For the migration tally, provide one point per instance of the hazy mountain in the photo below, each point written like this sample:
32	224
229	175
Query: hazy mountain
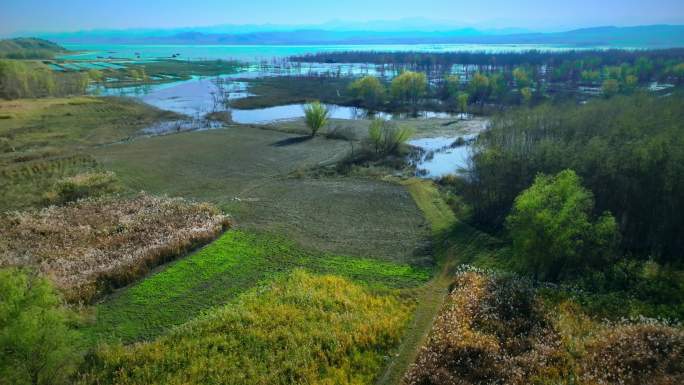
410	31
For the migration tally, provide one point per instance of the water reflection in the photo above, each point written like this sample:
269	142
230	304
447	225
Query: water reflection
441	156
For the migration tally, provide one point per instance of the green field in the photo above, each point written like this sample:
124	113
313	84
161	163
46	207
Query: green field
214	275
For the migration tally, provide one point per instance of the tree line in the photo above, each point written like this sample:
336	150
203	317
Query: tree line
628	151
20	79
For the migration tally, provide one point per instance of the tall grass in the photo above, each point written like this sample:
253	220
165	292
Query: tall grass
94	245
300	329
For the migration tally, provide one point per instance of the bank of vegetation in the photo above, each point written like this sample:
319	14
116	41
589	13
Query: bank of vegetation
29	48
93	246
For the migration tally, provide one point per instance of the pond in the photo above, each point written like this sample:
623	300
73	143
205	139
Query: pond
441	156
296	111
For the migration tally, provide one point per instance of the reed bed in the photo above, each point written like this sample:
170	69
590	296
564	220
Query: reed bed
92	246
494	329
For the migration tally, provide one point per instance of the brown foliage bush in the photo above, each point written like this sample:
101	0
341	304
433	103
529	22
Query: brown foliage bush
95	245
490	330
635	354
84	185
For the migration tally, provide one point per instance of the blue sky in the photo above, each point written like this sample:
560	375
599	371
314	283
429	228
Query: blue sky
72	15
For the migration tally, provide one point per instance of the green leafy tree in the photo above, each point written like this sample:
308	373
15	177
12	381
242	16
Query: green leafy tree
479	88
14	79
36	344
610	88
409	87
498	87
316	116
552	228
369	90
452	85
463	102
526	95
522	77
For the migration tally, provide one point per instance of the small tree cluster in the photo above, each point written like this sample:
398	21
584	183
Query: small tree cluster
553	231
369	90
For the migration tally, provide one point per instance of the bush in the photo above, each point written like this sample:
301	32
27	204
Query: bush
490	330
316	116
37	346
300	329
553	232
387	138
90	184
635	354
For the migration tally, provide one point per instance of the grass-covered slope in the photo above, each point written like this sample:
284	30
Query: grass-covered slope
216	274
44	140
29	48
300	329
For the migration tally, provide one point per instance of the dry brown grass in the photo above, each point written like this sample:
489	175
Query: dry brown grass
490	330
493	330
635	354
94	245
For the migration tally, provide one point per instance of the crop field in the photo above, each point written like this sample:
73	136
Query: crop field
216	274
299	328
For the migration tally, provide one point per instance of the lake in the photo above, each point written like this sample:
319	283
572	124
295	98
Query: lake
251	53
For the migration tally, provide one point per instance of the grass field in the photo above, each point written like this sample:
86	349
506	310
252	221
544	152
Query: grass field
248	171
280	90
216	274
298	329
43	140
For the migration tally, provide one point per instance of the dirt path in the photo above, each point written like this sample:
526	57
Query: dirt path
441	219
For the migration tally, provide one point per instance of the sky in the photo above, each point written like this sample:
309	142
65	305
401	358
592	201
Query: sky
19	16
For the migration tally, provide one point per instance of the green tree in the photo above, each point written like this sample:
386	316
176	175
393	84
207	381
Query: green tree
552	228
36	344
409	87
522	77
463	102
316	116
526	94
479	87
610	87
452	84
369	90
14	79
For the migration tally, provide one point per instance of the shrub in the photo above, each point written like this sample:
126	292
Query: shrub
90	184
94	245
369	90
635	354
316	116
552	229
490	330
300	329
36	344
386	137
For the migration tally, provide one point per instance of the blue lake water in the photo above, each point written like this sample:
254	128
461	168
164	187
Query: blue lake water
251	53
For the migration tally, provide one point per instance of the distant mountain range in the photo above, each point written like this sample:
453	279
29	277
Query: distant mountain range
653	36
